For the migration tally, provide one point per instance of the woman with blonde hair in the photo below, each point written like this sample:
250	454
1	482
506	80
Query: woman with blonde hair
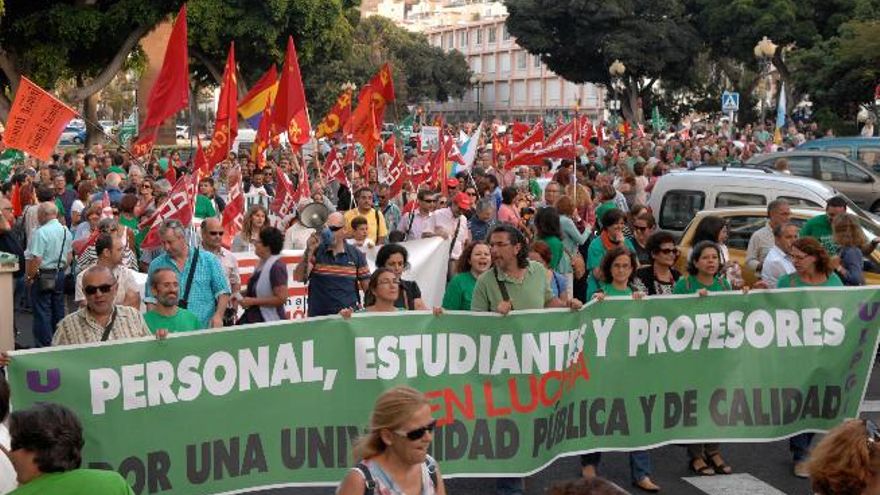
847	460
392	459
254	221
848	235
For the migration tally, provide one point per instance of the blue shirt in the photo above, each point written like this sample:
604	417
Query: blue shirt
113	193
47	245
209	281
333	280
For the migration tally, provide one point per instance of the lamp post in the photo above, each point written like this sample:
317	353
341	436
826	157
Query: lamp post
616	71
477	83
764	52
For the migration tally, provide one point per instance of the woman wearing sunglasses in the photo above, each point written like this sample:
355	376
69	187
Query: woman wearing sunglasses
660	276
847	460
393	456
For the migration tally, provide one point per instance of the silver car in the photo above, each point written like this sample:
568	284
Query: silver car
858	182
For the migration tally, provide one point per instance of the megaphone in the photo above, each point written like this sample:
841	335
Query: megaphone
314	216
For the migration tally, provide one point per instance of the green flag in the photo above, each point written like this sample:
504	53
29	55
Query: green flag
657	122
405	128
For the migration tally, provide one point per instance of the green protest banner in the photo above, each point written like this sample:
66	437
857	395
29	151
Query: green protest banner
279	405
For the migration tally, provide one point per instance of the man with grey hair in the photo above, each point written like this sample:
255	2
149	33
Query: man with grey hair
111	187
212	237
762	241
100	319
204	288
48	256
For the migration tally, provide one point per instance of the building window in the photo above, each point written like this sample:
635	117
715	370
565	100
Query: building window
505	63
505	34
492	34
462	38
520	60
479	33
490	64
537	61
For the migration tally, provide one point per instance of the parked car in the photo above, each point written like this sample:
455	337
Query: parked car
865	150
742	222
860	183
73	135
108	126
182	132
678	196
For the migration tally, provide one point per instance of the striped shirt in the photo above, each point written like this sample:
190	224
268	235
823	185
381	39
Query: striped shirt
334	278
81	327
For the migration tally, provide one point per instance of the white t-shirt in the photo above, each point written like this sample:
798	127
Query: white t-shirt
124	282
7	472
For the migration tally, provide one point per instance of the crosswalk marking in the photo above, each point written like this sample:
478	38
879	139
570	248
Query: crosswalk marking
732	484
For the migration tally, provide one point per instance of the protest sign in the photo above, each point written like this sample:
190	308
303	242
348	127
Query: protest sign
429	138
36	120
280	404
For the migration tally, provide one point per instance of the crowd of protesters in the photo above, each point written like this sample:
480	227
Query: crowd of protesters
556	234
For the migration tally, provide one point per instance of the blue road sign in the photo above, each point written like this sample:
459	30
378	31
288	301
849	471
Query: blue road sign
729	102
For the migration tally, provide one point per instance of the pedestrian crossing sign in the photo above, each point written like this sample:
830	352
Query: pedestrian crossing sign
729	102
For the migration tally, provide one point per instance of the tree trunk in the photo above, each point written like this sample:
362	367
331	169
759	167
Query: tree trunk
90	112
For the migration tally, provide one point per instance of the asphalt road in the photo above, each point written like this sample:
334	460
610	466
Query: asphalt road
759	469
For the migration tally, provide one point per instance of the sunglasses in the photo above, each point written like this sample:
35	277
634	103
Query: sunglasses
669	251
334	228
420	432
91	290
215	232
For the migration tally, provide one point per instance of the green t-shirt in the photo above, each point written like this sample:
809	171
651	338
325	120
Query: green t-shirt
119	170
610	290
794	280
460	292
689	284
183	321
532	292
204	207
77	482
535	189
556	250
819	227
595	252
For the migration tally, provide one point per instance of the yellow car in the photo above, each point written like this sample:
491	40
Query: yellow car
742	222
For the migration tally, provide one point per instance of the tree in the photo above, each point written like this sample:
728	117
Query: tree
421	71
840	73
84	40
579	39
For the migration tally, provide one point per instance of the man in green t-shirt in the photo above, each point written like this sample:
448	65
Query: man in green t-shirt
819	227
166	314
46	441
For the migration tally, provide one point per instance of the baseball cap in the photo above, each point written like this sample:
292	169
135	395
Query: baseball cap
462	200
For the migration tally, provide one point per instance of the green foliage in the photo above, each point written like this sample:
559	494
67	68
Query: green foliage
579	39
841	72
50	41
421	72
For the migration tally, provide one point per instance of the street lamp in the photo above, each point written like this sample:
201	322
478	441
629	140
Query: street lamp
764	51
477	83
616	71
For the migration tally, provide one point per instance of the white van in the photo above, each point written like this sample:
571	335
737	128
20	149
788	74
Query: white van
679	195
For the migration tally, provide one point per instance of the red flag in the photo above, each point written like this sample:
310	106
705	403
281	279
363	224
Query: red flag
302	189
179	206
586	131
233	215
338	119
561	144
395	171
367	117
600	134
534	140
519	131
285	198
333	167
453	154
35	121
170	91
201	161
171	173
15	199
290	112
263	136
226	122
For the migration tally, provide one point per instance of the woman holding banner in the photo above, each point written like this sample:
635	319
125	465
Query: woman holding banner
396	258
474	261
393	457
704	265
618	268
812	266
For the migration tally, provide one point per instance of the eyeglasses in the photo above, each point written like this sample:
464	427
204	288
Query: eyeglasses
215	232
429	200
418	432
91	290
334	228
674	251
146	186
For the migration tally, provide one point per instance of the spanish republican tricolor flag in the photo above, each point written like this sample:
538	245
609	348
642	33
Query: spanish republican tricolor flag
338	119
253	103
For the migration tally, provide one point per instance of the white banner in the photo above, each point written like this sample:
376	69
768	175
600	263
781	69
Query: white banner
428	259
